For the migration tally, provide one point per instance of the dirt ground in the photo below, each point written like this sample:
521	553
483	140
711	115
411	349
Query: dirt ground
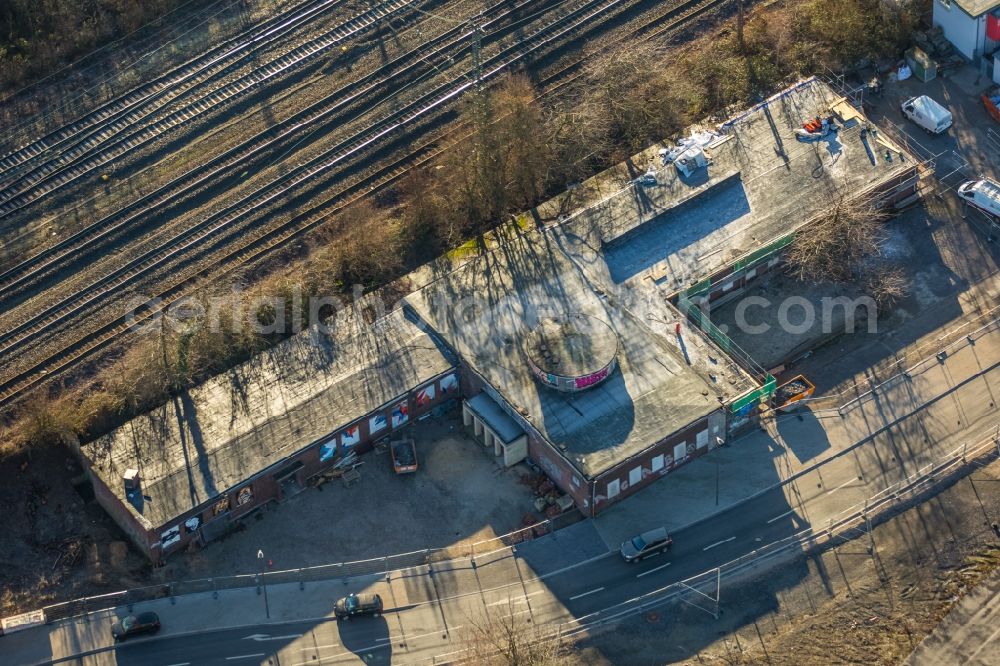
59	546
56	545
458	494
844	606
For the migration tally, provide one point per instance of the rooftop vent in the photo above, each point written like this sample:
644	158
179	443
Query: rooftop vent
131	479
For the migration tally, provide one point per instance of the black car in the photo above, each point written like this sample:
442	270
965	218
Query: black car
354	605
133	625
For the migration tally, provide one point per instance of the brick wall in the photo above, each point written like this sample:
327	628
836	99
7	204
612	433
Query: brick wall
143	536
644	461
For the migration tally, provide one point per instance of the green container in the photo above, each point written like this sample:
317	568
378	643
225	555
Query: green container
923	66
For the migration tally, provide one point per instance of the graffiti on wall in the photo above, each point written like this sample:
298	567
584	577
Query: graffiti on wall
350	436
425	395
400	414
449	383
590	380
376	424
171	536
221	506
553	470
328	449
245	496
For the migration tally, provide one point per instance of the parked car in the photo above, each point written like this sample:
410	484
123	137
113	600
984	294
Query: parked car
927	113
354	605
646	545
133	625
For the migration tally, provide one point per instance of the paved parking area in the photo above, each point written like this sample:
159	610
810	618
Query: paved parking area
458	494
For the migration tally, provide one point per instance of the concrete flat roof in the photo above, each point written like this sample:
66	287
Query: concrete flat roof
212	438
486	307
490	412
761	184
976	8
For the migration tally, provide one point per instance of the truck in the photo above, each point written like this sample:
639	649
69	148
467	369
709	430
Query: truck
927	113
404	455
984	194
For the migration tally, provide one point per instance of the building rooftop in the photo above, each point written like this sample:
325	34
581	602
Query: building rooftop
503	426
663	382
977	8
625	249
761	184
572	345
212	438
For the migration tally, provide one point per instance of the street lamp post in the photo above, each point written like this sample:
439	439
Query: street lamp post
260	562
716	480
718	442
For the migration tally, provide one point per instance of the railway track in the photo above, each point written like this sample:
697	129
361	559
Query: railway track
94	153
403	68
163	89
252	247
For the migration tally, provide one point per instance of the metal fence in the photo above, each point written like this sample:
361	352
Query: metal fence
852	523
904	367
704	590
371	566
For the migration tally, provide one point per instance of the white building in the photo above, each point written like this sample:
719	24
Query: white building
969	26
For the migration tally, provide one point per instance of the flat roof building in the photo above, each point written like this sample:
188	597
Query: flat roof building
256	433
573	341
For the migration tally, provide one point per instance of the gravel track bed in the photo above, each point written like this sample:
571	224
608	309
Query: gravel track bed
155	164
78	89
269	218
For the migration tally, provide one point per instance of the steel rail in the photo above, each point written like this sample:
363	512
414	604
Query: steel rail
81	161
254	248
325	110
191	72
317	166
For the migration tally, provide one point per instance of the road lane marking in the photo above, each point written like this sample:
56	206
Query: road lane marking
846	483
183	663
245	656
267	637
645	573
719	543
515	600
320	647
781	516
580	596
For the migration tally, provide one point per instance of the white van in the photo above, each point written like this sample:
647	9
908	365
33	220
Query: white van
927	113
983	194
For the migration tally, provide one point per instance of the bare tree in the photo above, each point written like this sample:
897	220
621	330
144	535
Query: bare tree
505	637
834	247
886	284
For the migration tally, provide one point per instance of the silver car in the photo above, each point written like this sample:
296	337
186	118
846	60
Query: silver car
646	544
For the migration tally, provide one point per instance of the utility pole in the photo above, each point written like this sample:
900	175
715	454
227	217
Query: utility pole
739	27
716	480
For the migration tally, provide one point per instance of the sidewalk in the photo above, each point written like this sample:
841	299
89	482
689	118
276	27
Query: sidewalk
192	613
940	399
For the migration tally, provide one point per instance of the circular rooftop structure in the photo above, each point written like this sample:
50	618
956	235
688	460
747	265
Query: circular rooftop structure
572	352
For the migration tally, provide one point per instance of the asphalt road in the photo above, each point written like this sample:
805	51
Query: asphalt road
425	629
431	610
